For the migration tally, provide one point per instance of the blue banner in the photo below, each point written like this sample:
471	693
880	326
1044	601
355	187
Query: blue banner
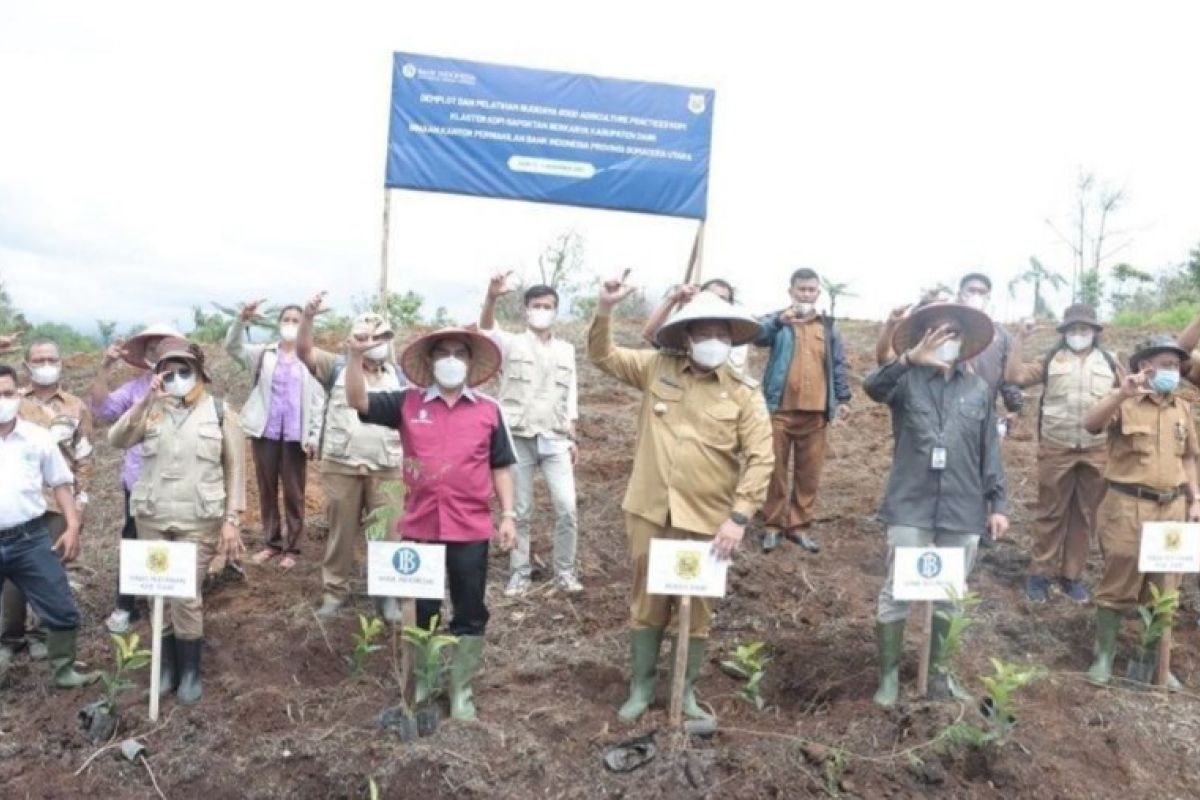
554	137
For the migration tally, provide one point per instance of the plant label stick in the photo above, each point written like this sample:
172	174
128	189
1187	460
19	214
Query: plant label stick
408	675
925	611
156	626
1163	671
679	668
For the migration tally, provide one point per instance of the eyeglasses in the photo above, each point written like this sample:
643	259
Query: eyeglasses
182	373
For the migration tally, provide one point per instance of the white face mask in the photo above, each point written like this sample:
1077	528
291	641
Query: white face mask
289	332
46	375
540	318
976	301
378	353
710	353
804	309
8	409
181	387
1080	341
450	372
948	351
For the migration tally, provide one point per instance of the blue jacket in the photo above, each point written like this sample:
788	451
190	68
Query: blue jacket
782	341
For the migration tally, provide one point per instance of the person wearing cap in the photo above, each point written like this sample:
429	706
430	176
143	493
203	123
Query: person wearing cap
701	468
1151	475
458	453
946	485
678	297
807	385
190	488
282	418
356	459
539	393
107	406
47	404
30	460
1074	375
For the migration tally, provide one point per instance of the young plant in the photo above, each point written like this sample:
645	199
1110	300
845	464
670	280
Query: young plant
427	645
749	663
1158	615
126	657
999	707
957	619
369	630
382	520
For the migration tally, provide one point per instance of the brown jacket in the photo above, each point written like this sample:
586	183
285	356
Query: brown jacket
1149	439
70	422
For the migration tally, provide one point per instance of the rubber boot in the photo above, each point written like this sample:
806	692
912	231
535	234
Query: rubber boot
889	645
695	659
167	670
61	648
463	668
942	683
187	661
1108	624
644	644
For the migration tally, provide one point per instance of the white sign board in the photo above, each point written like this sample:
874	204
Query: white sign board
162	568
406	569
1170	547
928	573
685	568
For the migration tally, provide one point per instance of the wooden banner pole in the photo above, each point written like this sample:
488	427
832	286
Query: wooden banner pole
695	265
383	254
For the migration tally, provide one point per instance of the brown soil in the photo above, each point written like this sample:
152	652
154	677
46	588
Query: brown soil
281	718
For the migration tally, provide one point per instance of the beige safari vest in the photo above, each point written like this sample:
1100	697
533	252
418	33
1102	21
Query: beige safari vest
536	385
351	443
182	482
1074	385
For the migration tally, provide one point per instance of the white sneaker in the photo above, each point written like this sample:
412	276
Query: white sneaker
518	584
568	583
118	622
389	609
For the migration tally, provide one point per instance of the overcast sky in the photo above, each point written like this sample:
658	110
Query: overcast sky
152	158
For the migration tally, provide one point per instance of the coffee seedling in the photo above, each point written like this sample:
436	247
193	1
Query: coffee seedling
427	645
749	663
369	630
382	520
126	657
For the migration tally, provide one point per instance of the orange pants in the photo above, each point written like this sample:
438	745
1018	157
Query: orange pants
1070	488
798	436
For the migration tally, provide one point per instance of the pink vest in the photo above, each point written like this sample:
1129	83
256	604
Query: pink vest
447	467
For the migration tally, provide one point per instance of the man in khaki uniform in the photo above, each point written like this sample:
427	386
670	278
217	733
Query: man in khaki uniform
191	488
356	458
1074	376
46	404
702	465
1151	474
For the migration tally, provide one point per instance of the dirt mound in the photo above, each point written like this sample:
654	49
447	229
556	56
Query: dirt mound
281	716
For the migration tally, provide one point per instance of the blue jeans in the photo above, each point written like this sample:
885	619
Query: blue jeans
27	560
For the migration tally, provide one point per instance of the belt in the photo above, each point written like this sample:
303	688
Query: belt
32	526
1146	493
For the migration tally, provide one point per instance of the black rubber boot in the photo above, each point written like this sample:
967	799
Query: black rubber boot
167	670
187	654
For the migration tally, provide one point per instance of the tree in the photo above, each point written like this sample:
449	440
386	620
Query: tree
835	290
1036	276
107	329
11	320
209	328
403	311
1090	239
1193	266
1123	275
561	260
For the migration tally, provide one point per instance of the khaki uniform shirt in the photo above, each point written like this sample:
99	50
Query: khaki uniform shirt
1072	384
1149	439
70	423
704	439
806	389
348	445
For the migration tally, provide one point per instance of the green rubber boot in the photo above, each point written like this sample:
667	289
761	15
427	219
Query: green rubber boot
889	645
644	644
942	682
60	645
1108	624
695	659
463	668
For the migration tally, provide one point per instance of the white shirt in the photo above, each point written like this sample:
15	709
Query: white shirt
29	459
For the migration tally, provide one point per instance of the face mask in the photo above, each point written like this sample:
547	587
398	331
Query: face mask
46	375
450	372
288	333
8	409
710	353
1080	341
976	301
540	318
1165	380
804	309
377	353
948	351
181	387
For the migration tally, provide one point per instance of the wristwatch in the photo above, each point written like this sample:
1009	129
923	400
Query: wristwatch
233	519
508	514
739	518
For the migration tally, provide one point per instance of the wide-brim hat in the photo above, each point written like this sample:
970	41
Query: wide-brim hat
707	307
1155	345
1079	314
977	328
134	350
371	324
417	364
179	349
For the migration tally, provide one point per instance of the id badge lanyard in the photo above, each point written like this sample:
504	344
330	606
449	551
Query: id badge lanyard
937	456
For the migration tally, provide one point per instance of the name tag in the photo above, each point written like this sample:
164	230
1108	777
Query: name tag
937	458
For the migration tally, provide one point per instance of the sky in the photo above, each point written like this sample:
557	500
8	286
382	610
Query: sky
155	156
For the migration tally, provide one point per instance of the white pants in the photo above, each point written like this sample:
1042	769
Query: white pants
892	610
560	480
